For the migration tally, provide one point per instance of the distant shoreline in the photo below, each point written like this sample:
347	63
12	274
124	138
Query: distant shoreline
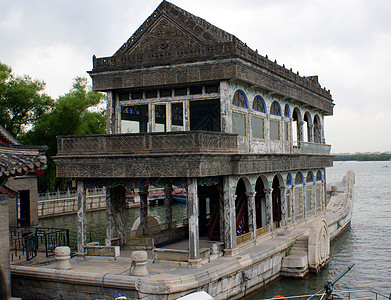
363	157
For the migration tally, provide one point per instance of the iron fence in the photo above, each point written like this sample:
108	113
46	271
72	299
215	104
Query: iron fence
27	241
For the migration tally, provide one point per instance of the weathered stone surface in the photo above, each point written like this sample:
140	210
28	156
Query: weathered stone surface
139	258
62	257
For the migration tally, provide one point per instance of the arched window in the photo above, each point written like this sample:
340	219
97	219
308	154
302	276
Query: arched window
286	111
318	175
240	99
259	104
288	179
275	109
298	178
310	177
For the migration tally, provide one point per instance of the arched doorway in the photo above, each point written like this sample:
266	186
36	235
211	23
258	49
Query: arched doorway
297	128
260	204
308	127
276	202
317	130
209	211
241	208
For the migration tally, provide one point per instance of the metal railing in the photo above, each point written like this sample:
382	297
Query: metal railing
23	244
26	241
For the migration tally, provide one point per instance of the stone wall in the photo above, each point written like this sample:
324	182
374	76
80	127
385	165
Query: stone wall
28	182
48	208
4	235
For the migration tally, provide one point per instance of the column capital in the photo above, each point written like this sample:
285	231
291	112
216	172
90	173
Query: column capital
267	191
250	194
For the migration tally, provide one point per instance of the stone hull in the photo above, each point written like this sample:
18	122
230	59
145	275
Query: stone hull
228	277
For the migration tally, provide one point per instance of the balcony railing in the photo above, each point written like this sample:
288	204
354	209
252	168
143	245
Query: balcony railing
146	143
311	148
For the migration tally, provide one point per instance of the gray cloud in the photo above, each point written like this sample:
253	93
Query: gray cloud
346	42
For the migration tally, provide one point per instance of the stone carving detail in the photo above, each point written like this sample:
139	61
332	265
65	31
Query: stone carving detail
144	210
164	36
158	41
318	245
116	214
168	206
81	217
269	211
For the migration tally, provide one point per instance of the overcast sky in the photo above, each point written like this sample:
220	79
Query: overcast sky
347	43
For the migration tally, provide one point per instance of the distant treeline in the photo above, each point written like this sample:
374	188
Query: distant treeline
363	157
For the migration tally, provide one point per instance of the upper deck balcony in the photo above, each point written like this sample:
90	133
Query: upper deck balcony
148	143
311	148
170	154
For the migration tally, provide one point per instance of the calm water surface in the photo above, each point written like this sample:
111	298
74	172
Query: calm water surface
367	243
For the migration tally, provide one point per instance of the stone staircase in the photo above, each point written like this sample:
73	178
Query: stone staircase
295	264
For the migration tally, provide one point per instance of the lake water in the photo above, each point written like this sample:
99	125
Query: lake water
367	243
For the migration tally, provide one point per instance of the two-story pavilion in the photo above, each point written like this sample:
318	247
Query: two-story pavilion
190	105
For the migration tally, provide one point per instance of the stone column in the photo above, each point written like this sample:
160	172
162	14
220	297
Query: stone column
110	223
229	215
284	207
192	211
221	213
323	195
300	131
310	133
252	222
116	214
304	201
293	203
168	206
144	210
81	217
269	208
110	113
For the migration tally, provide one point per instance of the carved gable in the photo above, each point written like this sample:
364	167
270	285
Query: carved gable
165	35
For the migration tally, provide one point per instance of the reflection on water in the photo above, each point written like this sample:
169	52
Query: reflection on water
96	221
367	243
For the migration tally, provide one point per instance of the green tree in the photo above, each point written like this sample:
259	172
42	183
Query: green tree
22	101
74	113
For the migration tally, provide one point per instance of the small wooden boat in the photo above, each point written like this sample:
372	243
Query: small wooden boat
179	195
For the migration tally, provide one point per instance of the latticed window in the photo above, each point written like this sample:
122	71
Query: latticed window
275	109
298	178
240	99
239	122
131	110
309	177
258	127
160	118
134	118
259	104
286	111
288	179
177	116
274	130
318	175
